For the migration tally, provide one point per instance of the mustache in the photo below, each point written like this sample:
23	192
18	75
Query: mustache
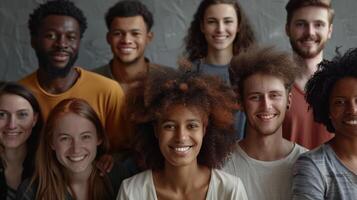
310	37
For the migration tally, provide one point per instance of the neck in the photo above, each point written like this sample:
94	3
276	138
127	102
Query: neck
182	179
216	57
266	147
14	157
59	84
309	67
126	73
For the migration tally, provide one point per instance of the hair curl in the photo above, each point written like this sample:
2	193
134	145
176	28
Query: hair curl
209	95
195	41
318	88
265	60
56	7
129	8
294	5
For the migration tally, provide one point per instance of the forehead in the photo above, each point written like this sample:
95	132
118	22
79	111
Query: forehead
13	102
345	87
73	124
59	23
263	83
128	23
220	11
311	13
182	113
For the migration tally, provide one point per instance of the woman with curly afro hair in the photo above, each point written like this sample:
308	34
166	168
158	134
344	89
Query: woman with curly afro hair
184	131
330	171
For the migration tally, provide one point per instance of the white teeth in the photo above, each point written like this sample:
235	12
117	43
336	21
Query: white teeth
266	116
351	122
219	37
126	50
12	133
76	158
182	149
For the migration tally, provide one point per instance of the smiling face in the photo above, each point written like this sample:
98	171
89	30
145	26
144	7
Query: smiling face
265	101
128	37
57	44
17	119
343	107
75	142
309	31
180	133
220	27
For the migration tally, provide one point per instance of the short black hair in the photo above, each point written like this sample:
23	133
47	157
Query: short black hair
318	88
129	8
56	7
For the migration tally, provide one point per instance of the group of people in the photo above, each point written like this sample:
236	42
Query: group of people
233	121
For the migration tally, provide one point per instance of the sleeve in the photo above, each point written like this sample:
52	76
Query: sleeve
308	183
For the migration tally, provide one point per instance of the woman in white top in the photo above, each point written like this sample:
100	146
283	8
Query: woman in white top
184	130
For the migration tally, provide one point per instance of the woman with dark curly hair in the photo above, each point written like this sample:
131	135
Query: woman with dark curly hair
330	171
184	130
20	125
218	31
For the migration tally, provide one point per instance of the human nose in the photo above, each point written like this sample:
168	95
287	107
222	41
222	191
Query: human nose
181	133
62	42
220	27
266	102
75	146
126	38
11	123
310	30
352	107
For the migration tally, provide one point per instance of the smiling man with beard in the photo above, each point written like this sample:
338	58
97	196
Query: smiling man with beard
56	29
309	26
264	159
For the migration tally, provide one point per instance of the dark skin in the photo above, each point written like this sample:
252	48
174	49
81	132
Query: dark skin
58	40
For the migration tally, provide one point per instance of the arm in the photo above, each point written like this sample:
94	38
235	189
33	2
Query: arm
308	182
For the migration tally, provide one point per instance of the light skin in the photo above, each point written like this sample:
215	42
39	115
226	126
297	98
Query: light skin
265	101
220	27
57	46
17	119
308	32
343	115
180	132
128	38
75	142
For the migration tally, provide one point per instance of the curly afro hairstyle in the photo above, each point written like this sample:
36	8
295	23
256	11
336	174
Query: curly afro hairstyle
318	88
265	60
56	7
209	95
129	8
195	41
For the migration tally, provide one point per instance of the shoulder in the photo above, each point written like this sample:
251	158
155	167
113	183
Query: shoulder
96	80
231	187
228	181
103	70
136	186
29	80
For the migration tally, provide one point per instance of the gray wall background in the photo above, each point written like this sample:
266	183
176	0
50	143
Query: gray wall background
172	18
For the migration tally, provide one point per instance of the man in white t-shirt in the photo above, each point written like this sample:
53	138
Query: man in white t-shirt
264	159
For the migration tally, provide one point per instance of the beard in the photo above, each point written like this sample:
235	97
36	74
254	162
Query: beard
44	60
307	53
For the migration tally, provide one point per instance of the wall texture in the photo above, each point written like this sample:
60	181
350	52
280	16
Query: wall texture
172	18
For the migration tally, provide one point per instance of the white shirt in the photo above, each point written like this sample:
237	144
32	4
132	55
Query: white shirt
264	179
221	186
